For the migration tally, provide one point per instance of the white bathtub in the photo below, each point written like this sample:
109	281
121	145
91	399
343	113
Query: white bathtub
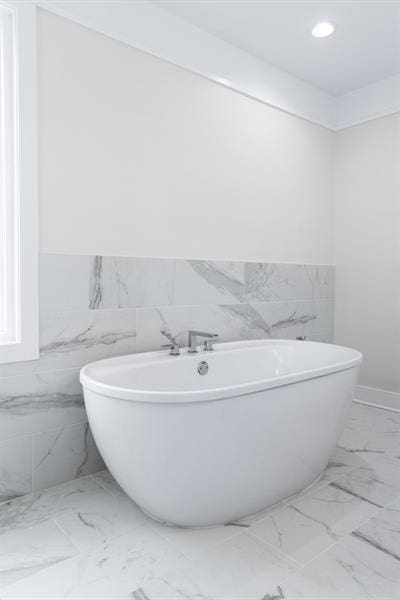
197	450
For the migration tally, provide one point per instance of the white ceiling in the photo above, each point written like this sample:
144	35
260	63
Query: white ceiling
365	47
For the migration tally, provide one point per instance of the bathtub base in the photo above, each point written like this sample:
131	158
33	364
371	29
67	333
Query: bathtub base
252	516
212	463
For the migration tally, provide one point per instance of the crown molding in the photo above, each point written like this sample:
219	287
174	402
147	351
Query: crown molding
370	102
154	30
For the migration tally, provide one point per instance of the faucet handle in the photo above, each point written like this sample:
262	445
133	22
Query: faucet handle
174	347
209	343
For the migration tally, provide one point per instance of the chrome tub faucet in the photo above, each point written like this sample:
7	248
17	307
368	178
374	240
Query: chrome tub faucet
208	344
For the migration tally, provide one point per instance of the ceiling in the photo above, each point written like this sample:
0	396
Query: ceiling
365	47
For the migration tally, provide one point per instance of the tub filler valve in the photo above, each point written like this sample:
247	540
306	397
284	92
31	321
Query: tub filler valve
193	335
175	349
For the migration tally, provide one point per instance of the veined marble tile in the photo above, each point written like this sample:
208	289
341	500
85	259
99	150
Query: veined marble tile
122	282
286	320
196	543
279	282
296	534
110	571
63	455
72	339
232	322
15	468
350	570
341	463
311	524
39	402
383	420
173	586
23	553
107	481
340	511
155	281
209	282
235	562
86	512
371	430
156	327
64	282
383	531
376	480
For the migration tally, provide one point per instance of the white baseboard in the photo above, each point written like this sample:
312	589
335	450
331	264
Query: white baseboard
377	397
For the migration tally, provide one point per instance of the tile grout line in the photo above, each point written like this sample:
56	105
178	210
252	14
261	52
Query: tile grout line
33	493
32	466
62	530
92	476
237	302
341	538
51	430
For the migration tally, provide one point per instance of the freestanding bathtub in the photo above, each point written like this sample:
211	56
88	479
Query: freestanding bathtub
198	450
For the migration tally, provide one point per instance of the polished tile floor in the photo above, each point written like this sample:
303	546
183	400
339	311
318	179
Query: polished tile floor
339	540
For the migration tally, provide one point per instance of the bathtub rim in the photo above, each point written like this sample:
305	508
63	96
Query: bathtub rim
211	394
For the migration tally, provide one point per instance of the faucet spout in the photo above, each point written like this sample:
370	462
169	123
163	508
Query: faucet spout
193	335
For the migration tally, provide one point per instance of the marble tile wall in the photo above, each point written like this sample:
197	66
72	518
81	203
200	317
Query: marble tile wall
93	307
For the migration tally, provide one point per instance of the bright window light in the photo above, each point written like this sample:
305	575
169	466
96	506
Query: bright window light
9	193
19	317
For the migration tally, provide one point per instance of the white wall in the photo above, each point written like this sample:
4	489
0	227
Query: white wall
367	247
140	157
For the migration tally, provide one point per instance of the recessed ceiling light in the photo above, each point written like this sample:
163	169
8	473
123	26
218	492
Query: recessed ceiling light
322	30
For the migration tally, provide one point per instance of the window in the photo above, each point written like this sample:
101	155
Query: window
18	184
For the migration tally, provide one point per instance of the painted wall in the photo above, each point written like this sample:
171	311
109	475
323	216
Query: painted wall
367	234
139	157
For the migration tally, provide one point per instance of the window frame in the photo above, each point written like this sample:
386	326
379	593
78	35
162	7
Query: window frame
25	266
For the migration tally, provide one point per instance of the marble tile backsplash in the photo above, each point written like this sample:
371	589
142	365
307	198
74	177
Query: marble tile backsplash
93	307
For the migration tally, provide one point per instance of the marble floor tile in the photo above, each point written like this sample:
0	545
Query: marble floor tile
312	524
23	553
383	531
350	570
196	543
230	565
371	430
340	463
339	510
174	586
83	509
114	570
295	533
376	480
107	481
256	518
381	419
